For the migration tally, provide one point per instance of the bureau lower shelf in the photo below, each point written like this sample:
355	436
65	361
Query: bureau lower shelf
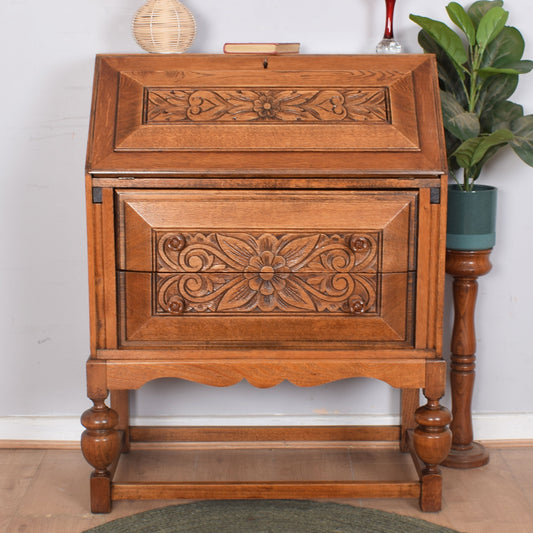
214	464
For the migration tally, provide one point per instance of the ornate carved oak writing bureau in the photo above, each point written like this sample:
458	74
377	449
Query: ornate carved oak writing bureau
265	219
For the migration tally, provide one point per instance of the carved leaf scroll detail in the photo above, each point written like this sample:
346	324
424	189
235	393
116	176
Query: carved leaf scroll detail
366	104
344	293
246	272
254	252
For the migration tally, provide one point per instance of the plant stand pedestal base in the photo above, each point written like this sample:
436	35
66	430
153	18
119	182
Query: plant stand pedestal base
474	456
465	267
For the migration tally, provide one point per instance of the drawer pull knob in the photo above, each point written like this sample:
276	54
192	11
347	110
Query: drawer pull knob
357	306
176	306
176	243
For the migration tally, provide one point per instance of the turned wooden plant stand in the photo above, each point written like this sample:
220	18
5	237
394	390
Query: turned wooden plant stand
465	267
266	219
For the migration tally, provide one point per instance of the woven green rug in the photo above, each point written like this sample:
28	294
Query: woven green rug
267	516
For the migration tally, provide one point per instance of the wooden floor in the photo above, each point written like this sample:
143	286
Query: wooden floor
46	491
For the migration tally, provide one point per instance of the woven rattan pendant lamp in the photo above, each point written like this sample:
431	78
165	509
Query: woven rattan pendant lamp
164	27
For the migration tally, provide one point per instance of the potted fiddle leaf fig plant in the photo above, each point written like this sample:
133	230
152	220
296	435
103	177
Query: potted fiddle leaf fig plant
478	66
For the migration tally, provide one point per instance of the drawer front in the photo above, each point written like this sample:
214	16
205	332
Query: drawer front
265	291
217	267
193	231
171	319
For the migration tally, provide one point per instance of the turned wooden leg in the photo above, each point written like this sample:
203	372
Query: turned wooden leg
100	444
465	267
432	441
432	437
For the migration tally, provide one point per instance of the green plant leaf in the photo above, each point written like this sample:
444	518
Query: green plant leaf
488	154
473	150
464	155
452	143
507	47
461	19
492	71
448	74
496	89
445	37
429	45
504	113
522	142
519	67
457	121
500	87
478	9
522	67
491	25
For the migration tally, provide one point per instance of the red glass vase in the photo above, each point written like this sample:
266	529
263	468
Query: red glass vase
389	45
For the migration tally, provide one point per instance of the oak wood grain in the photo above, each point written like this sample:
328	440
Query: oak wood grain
266	224
358	146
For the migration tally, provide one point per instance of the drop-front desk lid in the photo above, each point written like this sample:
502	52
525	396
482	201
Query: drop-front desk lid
252	115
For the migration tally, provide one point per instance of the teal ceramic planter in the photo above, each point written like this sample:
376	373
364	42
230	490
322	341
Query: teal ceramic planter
471	218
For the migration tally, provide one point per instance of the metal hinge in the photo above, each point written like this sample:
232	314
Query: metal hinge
434	195
97	195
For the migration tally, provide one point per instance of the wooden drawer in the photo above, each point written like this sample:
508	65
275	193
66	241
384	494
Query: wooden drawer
198	268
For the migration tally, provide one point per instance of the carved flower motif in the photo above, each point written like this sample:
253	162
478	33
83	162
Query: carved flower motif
267	264
266	106
266	273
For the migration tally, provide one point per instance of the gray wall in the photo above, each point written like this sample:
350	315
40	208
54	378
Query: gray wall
47	61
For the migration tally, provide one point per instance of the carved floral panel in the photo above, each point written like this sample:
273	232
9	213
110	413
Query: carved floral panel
268	272
275	252
265	292
369	105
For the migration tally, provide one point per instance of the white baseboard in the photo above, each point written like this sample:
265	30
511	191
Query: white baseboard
496	426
